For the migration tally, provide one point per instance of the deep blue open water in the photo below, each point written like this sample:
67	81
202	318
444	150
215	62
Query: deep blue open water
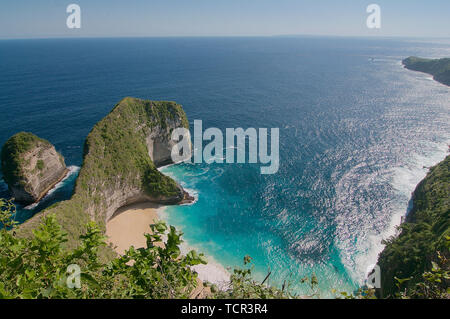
356	131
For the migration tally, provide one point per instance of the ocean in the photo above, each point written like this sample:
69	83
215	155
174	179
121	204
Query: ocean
357	133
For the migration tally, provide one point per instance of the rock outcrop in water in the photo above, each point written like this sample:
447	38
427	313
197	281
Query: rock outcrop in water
424	233
121	156
31	167
438	68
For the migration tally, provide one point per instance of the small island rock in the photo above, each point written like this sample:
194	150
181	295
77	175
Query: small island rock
31	166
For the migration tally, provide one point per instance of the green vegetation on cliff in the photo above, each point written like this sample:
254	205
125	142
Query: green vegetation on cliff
40	165
12	154
439	68
116	163
425	233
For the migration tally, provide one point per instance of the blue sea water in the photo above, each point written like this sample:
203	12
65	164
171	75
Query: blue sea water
357	132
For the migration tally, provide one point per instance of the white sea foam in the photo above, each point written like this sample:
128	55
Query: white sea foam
193	193
32	206
161	168
72	170
363	224
425	77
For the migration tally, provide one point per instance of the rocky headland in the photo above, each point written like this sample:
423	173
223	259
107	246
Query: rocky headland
121	156
438	68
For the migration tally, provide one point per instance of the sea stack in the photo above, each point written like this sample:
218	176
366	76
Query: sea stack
31	166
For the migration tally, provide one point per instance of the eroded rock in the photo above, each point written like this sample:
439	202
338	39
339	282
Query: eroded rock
31	166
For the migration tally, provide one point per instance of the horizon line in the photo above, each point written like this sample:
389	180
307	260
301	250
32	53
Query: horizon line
65	37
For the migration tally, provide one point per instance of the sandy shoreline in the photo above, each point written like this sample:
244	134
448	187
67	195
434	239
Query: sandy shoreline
129	224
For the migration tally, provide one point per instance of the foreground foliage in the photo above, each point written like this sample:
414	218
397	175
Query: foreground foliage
37	267
42	267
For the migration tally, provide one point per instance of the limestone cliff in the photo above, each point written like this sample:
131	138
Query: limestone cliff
121	155
31	167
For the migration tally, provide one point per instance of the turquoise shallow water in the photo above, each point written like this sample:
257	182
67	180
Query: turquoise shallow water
224	224
356	130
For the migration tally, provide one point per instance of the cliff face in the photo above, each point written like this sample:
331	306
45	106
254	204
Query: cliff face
423	234
121	156
31	167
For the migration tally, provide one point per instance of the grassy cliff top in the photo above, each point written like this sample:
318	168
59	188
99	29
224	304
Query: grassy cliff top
12	154
424	233
115	161
439	68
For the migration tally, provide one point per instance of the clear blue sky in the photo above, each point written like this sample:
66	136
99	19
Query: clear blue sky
110	18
